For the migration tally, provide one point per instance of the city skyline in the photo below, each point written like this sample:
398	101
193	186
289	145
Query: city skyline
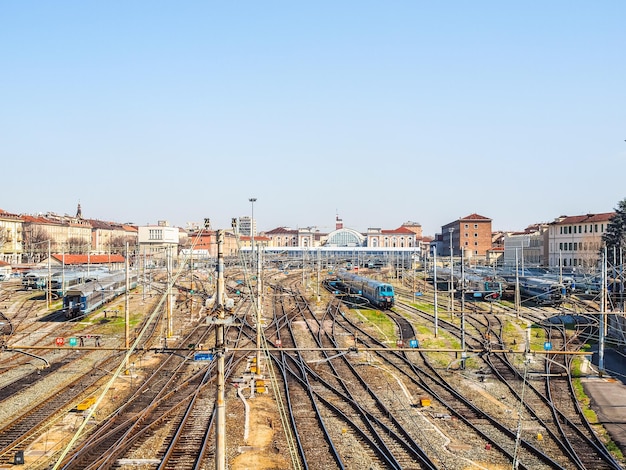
377	113
260	230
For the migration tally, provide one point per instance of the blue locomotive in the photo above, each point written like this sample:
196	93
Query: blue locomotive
379	294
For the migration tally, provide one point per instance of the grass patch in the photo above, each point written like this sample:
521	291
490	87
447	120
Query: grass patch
513	332
424	307
378	321
537	336
577	362
442	341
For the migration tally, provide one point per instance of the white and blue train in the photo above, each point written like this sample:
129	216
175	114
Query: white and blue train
542	291
379	294
92	294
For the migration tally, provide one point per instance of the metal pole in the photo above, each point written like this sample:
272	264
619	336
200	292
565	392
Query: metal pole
127	304
220	433
49	286
143	275
318	274
259	307
602	315
191	277
62	269
413	272
517	292
463	355
451	231
252	201
435	294
170	322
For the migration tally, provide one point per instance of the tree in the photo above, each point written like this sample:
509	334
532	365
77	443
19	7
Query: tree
35	245
4	236
77	245
615	235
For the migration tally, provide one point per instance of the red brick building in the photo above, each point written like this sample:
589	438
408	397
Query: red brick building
470	234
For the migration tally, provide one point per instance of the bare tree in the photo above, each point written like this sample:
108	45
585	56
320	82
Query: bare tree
35	246
77	245
4	236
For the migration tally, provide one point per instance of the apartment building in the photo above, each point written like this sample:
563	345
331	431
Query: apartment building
470	235
576	241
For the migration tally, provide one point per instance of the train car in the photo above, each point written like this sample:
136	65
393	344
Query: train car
379	294
480	287
92	294
64	280
35	280
542	291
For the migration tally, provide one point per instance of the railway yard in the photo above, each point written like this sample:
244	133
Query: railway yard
460	384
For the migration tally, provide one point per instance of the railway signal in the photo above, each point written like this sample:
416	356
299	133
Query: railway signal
60	341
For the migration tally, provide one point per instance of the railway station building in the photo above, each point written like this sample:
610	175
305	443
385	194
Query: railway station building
400	246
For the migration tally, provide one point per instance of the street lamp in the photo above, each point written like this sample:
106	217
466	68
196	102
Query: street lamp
252	201
451	231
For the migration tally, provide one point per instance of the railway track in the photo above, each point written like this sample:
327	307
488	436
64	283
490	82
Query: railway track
570	432
351	400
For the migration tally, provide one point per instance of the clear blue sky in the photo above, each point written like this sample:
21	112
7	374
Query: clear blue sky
381	112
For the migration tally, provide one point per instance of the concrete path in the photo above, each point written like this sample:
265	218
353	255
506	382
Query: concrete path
607	393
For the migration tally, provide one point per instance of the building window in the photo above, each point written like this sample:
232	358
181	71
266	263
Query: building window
155	234
466	225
